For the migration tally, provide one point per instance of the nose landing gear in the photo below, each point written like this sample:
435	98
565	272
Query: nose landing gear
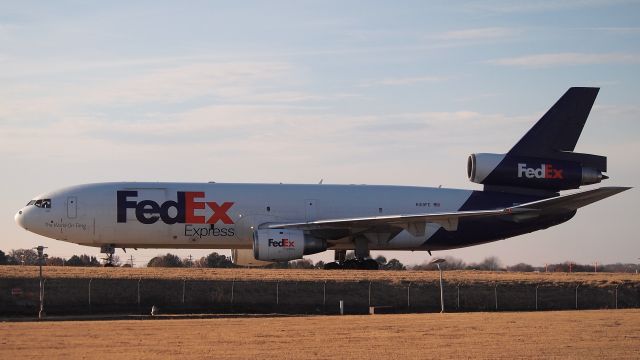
109	250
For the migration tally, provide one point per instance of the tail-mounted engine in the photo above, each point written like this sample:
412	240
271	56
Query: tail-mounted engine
543	160
530	172
285	244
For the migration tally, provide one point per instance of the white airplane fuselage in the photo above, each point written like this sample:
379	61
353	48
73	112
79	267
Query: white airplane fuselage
221	215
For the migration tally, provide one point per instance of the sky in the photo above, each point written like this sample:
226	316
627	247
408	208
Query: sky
351	92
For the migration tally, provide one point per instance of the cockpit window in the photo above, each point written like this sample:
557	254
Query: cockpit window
41	203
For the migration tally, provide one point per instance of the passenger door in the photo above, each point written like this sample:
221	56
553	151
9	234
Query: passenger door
310	209
72	207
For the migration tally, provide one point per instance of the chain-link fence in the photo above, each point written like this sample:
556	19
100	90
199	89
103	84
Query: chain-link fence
137	296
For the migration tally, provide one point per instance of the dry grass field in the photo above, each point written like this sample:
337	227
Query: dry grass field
613	334
461	277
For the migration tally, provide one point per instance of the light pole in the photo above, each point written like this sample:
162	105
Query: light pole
41	257
437	261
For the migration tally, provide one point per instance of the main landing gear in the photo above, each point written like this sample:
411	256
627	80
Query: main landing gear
108	250
359	263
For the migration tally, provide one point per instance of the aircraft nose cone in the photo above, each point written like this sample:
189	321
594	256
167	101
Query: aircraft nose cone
19	218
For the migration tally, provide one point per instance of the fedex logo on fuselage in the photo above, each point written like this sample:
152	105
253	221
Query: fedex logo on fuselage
149	211
286	243
545	171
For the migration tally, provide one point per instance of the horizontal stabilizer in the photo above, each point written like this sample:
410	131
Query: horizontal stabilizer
569	202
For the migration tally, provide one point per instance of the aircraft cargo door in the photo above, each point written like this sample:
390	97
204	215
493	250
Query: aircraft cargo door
72	207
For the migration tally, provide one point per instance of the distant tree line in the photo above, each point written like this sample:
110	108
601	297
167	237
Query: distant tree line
492	263
215	260
30	257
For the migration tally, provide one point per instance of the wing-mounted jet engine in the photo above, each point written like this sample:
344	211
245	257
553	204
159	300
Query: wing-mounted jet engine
285	244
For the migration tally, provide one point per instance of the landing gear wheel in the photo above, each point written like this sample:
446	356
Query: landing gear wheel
369	264
351	264
109	250
332	266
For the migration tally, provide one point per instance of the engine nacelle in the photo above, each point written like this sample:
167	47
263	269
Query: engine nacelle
244	257
284	244
528	172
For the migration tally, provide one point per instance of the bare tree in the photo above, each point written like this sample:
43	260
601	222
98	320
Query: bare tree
214	260
521	267
490	263
393	264
168	260
451	263
23	256
54	261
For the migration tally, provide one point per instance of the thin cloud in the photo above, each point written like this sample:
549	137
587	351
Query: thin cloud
567	59
488	33
618	30
211	82
502	6
409	80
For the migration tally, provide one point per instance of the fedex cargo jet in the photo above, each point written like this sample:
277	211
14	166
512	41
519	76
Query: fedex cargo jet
264	223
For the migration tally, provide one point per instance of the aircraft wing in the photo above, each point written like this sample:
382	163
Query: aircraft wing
415	223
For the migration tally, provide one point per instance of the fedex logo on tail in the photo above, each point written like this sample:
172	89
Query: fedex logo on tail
545	171
149	211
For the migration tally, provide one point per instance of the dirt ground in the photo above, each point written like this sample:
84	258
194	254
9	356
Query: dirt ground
457	276
613	334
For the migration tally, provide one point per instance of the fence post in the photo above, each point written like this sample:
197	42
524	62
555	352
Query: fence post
458	297
617	295
409	296
277	292
577	286
90	292
139	281
369	293
184	285
537	296
324	294
495	292
41	314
